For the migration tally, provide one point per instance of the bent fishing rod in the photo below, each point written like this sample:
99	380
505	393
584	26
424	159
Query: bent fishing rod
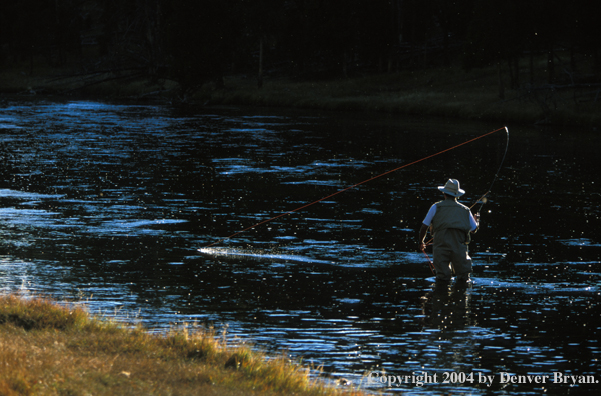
360	183
482	200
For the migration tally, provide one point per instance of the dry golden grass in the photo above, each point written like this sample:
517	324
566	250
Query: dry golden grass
49	349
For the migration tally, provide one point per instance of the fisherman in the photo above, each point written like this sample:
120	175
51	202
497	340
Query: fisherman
452	223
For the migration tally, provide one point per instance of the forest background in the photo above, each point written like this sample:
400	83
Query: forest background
527	61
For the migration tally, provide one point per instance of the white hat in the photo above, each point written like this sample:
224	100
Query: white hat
452	188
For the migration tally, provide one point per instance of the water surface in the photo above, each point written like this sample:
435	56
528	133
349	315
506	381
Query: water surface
109	203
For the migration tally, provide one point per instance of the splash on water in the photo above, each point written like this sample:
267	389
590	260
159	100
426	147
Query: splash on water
258	254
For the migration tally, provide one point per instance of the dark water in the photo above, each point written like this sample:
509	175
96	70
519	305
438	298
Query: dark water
108	204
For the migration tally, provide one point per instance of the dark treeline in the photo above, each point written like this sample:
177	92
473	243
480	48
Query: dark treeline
196	41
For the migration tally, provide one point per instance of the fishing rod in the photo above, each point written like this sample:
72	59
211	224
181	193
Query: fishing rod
356	185
482	200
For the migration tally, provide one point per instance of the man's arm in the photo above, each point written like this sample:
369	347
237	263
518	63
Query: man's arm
424	229
422	235
474	222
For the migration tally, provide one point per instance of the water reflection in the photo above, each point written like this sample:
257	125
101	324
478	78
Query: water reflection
109	204
447	307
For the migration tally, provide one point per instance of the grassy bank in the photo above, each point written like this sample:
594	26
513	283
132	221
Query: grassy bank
450	92
442	92
50	349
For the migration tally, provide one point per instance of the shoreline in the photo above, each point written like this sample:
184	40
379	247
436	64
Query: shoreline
55	348
443	92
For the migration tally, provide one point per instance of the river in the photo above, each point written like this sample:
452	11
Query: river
106	204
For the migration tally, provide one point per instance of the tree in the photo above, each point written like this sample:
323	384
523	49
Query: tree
262	21
132	34
200	37
32	30
496	35
378	31
548	27
584	31
454	19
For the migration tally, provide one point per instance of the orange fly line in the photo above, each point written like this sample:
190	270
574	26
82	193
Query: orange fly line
358	184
